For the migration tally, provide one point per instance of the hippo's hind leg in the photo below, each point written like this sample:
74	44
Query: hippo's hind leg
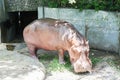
61	56
32	49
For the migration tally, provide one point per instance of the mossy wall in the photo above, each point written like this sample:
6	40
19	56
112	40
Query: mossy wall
22	5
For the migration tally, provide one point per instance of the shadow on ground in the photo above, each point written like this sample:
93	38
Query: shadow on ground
106	65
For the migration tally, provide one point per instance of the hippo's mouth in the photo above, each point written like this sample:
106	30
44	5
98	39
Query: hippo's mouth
80	69
83	71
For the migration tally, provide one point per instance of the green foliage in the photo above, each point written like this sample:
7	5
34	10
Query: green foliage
55	66
95	60
52	64
111	5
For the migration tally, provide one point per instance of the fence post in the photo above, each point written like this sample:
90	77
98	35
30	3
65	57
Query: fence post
43	8
118	15
86	31
43	11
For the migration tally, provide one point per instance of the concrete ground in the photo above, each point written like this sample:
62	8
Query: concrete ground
103	70
17	66
108	68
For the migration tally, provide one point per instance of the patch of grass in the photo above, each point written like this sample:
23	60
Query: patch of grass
46	56
55	66
114	63
117	64
51	62
95	60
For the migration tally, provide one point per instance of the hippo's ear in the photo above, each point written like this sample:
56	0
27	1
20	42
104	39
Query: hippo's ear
77	49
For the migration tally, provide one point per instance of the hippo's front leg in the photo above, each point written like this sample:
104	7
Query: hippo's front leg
61	56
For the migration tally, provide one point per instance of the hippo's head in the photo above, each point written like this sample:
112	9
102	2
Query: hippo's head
79	57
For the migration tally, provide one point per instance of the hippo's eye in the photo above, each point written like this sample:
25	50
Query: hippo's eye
72	60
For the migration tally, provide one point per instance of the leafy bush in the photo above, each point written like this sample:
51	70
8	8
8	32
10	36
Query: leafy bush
111	5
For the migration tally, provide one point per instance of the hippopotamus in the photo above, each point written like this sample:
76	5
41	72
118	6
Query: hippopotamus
60	35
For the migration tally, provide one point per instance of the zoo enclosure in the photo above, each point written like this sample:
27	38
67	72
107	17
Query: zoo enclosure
101	28
14	16
97	20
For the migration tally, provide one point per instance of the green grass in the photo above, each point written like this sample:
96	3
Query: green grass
55	66
95	60
51	62
114	63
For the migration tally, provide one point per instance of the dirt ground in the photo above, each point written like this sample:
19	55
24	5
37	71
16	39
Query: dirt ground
106	66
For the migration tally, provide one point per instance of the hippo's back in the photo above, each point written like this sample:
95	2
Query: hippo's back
45	33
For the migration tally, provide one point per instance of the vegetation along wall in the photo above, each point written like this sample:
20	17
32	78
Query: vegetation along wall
101	28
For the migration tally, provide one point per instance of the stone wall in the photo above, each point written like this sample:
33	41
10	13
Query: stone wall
2	11
3	18
101	28
22	5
